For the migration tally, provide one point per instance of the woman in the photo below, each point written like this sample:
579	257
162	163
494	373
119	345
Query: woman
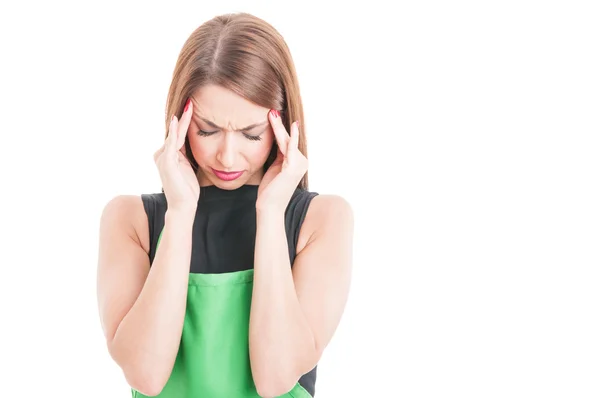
232	280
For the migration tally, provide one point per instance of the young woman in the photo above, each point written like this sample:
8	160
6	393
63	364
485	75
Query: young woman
231	281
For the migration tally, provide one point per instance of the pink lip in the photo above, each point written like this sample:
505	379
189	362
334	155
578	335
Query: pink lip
227	176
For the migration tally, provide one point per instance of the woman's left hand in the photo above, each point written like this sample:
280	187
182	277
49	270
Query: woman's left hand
283	176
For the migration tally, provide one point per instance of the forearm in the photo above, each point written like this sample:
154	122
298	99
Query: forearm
147	340
282	346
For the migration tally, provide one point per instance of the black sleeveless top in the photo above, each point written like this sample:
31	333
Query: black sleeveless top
224	233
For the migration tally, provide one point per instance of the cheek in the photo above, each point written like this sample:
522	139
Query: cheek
201	149
256	153
262	150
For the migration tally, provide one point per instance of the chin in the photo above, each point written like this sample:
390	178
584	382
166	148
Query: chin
230	185
245	178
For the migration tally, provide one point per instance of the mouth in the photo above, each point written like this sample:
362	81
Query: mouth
227	175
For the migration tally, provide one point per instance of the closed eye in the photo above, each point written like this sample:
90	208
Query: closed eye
252	137
248	136
206	133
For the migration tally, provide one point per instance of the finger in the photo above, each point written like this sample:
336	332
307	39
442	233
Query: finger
161	149
158	153
182	158
172	136
184	124
183	148
295	137
281	135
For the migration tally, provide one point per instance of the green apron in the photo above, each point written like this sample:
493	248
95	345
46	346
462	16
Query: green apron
213	360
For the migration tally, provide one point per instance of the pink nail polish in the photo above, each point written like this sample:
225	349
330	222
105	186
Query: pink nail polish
187	105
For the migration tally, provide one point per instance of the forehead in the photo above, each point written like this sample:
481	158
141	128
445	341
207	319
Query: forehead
223	106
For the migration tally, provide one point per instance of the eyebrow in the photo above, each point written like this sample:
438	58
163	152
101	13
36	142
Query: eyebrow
211	124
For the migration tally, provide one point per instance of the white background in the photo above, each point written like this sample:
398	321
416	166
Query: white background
464	134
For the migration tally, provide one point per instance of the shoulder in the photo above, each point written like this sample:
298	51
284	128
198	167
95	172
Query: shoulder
127	213
121	206
327	213
330	207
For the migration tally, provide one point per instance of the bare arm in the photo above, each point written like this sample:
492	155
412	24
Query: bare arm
295	311
142	308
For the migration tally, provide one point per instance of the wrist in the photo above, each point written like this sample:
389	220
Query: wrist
268	213
181	216
270	206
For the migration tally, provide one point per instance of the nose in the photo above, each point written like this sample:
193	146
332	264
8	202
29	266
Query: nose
226	152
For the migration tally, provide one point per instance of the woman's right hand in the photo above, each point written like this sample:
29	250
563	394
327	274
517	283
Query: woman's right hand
178	178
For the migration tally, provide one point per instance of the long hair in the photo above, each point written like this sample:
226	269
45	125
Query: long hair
248	56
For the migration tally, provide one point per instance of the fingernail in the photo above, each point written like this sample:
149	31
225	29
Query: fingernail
172	118
275	113
187	105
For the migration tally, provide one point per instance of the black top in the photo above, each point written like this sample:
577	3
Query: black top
224	232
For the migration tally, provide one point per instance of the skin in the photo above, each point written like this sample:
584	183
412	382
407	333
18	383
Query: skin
295	310
228	149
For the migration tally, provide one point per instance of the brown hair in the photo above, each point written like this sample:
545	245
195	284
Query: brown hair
246	55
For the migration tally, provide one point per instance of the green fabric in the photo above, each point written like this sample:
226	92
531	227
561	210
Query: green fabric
213	359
